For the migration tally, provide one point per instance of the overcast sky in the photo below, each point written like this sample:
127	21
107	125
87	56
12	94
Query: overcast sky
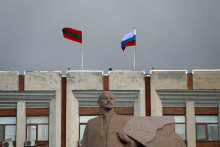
171	34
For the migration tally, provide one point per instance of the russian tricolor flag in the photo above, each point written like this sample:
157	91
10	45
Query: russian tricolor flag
129	39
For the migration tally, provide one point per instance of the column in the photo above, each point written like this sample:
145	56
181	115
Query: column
190	124
21	124
52	124
219	120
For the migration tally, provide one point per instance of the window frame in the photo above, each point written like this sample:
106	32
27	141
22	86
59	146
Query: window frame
4	128
179	122
184	132
84	123
206	128
37	124
79	129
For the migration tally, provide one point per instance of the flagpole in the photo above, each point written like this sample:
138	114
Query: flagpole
135	52
82	50
134	56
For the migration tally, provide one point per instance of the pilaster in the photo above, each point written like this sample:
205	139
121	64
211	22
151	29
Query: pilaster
190	124
21	124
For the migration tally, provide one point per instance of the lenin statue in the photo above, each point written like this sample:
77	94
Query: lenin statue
112	130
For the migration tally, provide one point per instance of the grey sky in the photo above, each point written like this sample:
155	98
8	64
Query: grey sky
171	34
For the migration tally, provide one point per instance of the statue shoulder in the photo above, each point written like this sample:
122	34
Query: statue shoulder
93	120
125	116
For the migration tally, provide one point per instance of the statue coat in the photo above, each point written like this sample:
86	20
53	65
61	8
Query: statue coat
97	135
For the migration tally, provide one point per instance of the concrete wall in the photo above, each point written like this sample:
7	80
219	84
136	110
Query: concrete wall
190	123
130	80
21	124
206	79
9	81
48	81
165	80
78	80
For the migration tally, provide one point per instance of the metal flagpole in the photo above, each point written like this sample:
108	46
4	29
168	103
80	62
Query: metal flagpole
82	49
134	56
135	52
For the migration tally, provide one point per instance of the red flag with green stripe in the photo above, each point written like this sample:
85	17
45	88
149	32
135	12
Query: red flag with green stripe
72	34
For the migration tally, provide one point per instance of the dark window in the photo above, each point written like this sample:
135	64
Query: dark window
7	128
180	126
37	128
83	121
207	127
1	132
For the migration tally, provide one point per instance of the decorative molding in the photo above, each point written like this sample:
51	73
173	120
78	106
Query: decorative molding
205	70
178	98
90	71
33	99
166	71
112	71
89	98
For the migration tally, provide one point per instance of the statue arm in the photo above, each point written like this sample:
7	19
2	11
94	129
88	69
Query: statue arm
123	137
130	142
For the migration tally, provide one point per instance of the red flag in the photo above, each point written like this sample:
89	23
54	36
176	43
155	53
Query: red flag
72	34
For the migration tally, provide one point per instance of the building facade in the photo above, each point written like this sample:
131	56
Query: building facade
48	109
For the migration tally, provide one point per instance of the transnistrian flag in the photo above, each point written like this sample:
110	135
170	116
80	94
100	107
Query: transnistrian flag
72	34
129	39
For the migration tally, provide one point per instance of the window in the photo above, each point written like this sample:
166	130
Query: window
180	126
207	127
83	120
7	128
37	128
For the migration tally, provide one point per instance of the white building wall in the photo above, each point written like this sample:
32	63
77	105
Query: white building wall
130	80
9	81
190	123
21	124
165	80
78	80
118	80
48	81
206	79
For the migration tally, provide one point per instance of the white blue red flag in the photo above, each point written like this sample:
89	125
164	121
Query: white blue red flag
129	39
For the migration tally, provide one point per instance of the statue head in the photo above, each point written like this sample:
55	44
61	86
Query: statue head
106	100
